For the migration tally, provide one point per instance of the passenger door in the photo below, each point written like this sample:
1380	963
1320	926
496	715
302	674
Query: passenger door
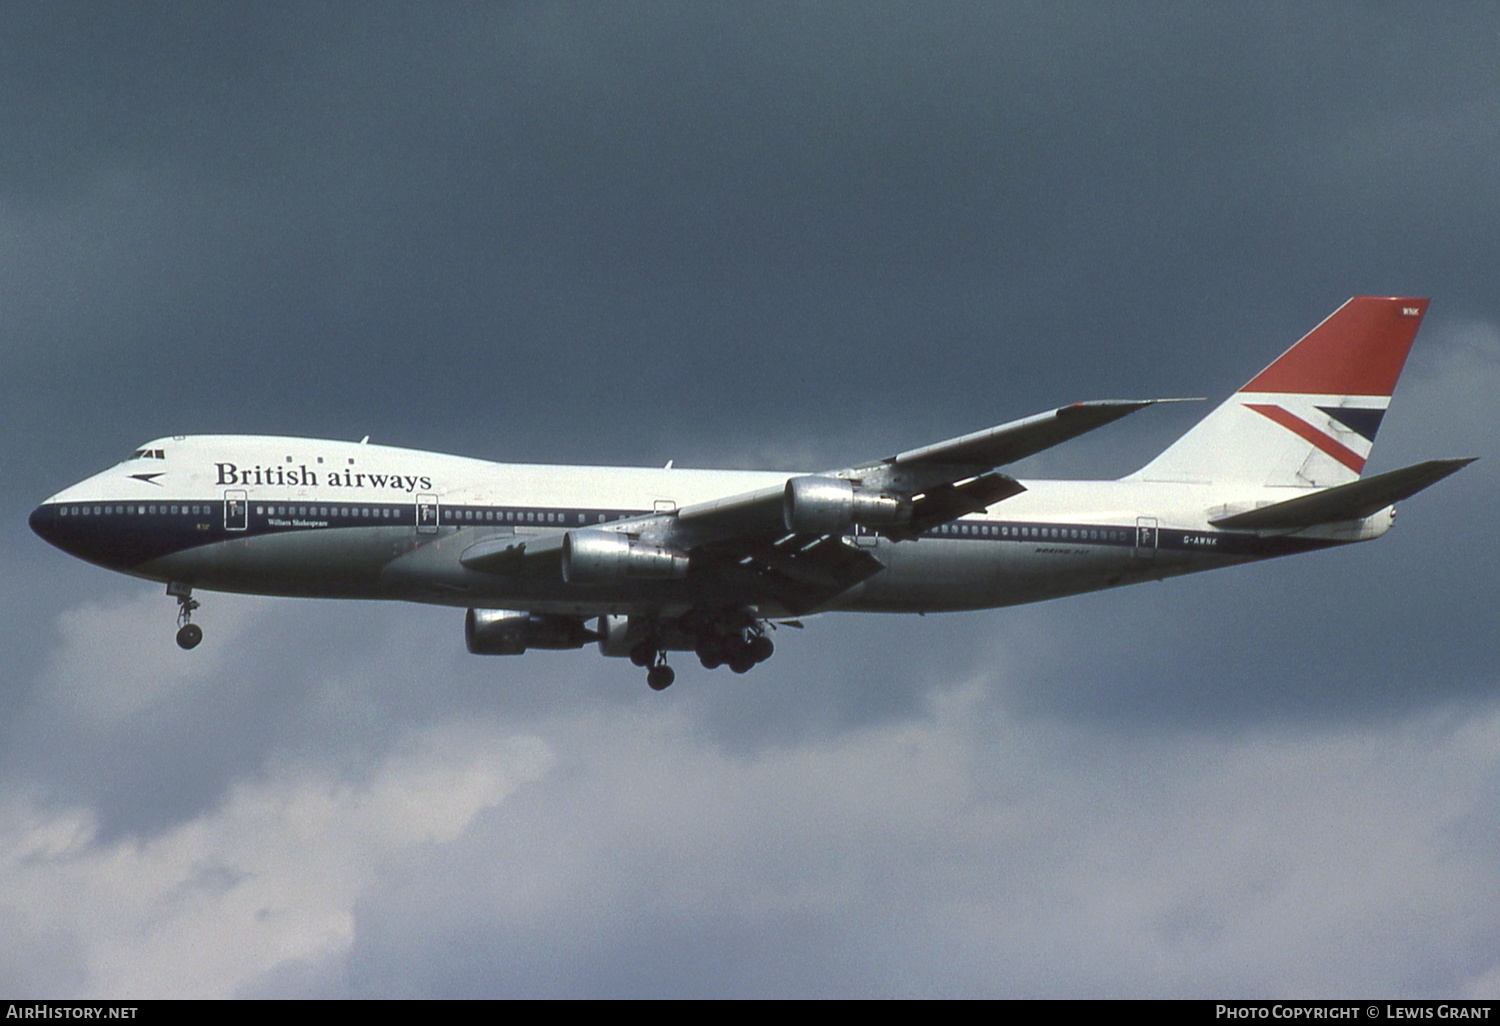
1145	536
236	510
427	514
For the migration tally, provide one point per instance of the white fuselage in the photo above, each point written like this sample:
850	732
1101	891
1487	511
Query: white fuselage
317	518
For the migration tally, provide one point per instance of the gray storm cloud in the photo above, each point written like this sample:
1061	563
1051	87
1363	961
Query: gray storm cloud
805	234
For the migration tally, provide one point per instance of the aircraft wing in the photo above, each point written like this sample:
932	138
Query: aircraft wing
798	572
764	536
1008	443
942	481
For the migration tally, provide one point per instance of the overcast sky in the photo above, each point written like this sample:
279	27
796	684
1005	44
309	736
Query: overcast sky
748	235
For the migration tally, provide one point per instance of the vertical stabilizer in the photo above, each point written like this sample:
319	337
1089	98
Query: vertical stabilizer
1309	419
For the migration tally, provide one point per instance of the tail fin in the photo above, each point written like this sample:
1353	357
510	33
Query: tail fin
1309	419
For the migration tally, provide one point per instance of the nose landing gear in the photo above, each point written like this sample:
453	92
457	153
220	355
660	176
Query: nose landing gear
189	634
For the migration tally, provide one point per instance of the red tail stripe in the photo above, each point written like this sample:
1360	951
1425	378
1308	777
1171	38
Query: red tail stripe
1359	350
1332	446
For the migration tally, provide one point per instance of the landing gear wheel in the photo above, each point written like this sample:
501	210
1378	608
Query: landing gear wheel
741	662
659	678
643	654
711	654
761	648
188	633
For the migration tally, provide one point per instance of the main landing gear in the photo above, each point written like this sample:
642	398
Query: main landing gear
735	638
739	650
659	676
188	633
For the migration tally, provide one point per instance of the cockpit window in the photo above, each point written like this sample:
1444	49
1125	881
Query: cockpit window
149	454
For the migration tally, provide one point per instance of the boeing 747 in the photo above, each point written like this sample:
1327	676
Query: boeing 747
643	562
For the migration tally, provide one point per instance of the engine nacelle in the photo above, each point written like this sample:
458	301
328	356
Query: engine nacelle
619	634
828	505
599	557
513	631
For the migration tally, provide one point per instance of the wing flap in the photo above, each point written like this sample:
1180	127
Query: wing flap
827	564
947	502
1353	501
798	572
804	573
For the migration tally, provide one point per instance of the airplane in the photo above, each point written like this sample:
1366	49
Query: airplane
646	561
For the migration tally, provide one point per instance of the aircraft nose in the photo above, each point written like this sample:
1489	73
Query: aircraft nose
119	536
44	524
53	526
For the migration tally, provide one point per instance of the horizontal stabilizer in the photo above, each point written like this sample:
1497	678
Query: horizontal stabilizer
1353	501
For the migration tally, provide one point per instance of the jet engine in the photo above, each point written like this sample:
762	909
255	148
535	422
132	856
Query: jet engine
599	557
513	631
827	505
618	635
